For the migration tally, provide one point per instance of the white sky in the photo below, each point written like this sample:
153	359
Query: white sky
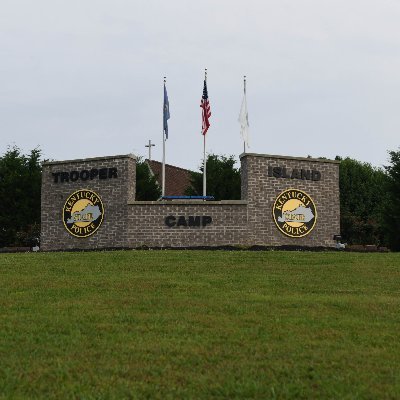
83	78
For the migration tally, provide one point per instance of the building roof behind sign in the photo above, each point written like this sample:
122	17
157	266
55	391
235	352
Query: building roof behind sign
177	180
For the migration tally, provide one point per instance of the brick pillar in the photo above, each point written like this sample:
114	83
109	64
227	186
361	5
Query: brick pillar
260	187
115	184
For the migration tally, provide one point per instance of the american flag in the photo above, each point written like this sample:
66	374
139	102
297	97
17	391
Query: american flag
206	110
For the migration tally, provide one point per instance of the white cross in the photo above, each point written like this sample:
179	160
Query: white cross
150	145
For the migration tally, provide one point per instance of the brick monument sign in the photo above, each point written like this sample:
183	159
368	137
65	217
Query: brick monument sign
286	201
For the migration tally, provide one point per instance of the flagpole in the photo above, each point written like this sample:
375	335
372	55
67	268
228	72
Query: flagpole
204	166
163	159
244	91
204	153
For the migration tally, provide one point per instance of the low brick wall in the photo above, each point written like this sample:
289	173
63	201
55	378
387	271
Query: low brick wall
147	223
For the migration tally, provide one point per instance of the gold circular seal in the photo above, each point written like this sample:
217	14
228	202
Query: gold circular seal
83	213
294	213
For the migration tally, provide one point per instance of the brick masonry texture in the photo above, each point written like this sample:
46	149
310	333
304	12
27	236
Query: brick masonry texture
131	224
115	194
147	224
260	191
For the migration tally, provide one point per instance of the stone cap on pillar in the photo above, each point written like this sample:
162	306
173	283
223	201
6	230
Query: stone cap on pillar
324	160
132	156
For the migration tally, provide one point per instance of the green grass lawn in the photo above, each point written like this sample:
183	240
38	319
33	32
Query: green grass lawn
200	324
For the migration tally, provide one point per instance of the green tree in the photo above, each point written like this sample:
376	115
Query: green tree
223	179
391	211
362	199
20	184
146	183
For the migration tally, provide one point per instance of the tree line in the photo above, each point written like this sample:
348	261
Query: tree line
369	196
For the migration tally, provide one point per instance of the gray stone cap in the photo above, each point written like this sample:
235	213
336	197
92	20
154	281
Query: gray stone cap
189	202
79	160
321	160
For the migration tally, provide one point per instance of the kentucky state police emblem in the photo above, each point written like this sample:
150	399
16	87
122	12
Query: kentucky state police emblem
83	213
294	213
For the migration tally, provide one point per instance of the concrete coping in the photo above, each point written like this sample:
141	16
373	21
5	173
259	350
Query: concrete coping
189	202
79	160
321	160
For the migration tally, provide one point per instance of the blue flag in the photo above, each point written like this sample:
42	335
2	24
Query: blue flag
166	115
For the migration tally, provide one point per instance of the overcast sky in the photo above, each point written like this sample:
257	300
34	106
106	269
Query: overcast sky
83	78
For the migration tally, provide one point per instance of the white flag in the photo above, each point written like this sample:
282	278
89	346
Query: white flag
244	121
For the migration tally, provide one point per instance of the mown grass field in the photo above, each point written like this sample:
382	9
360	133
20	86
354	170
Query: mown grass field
200	324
